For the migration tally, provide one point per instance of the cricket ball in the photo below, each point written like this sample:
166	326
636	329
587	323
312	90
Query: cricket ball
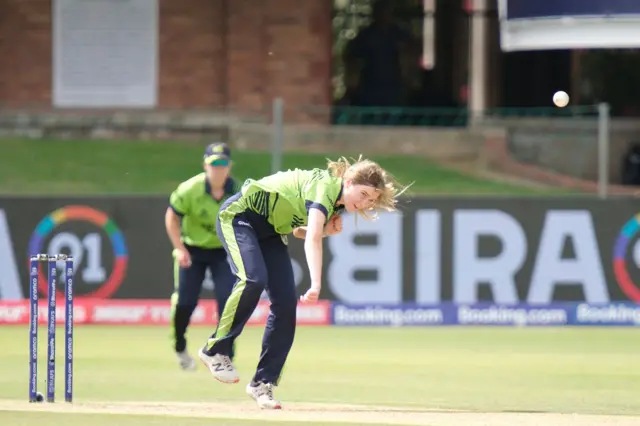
561	99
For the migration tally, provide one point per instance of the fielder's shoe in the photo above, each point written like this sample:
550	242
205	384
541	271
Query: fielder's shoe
263	395
220	366
186	361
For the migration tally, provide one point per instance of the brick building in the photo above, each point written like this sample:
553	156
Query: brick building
210	53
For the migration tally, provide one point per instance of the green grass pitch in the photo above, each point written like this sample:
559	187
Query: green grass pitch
340	375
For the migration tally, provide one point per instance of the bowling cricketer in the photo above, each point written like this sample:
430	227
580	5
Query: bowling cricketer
253	226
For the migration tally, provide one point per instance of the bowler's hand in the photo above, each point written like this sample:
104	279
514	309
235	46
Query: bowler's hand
300	232
184	258
334	226
311	296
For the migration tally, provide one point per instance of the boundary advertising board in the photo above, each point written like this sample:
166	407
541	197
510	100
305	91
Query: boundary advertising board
443	253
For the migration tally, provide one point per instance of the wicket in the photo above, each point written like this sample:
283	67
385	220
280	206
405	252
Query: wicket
67	277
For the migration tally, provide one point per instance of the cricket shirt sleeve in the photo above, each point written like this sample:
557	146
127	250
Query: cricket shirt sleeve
322	194
179	200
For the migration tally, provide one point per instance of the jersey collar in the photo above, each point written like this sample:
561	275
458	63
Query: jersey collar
228	186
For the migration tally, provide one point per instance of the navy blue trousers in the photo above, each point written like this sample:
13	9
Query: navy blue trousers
188	286
260	259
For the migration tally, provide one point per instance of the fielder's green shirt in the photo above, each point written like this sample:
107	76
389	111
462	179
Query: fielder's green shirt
286	197
194	203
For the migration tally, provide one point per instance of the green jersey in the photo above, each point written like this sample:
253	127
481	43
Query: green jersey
193	201
285	198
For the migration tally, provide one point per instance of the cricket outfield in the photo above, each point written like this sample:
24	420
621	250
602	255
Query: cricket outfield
441	376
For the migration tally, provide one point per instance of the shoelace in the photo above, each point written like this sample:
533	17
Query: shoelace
267	389
227	364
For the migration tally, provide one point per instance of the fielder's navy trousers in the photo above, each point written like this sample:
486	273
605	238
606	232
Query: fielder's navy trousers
188	287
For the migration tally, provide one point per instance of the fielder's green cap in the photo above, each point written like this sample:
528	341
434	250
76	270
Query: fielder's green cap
217	154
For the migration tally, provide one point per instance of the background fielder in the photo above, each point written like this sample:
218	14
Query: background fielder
190	221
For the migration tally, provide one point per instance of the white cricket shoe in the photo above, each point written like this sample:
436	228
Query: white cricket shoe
186	361
220	366
263	395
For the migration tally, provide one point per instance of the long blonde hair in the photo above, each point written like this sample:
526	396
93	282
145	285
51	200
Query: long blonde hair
369	173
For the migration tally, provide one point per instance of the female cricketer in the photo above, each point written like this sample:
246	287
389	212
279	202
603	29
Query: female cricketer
190	222
253	225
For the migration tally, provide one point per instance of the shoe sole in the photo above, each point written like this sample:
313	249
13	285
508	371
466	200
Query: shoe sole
228	382
279	407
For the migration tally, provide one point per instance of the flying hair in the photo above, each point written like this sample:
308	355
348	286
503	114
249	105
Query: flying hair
369	173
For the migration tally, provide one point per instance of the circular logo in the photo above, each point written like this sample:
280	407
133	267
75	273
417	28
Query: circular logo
620	249
109	284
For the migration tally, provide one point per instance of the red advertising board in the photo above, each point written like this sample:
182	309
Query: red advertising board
148	312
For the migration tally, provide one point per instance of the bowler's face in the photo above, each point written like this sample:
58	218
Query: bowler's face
359	197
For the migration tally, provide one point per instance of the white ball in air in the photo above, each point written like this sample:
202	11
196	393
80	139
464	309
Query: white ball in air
561	99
